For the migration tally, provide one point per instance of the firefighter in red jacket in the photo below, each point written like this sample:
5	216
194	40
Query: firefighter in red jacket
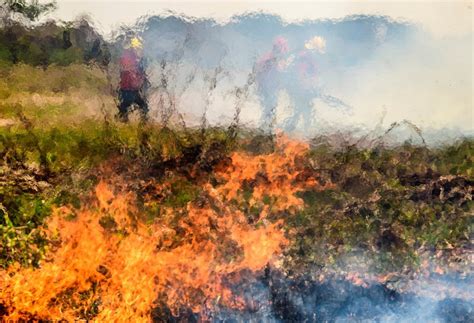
132	81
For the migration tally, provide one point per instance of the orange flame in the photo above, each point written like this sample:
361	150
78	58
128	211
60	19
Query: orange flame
119	274
277	175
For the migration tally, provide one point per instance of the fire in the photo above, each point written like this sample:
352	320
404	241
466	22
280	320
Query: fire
120	273
278	175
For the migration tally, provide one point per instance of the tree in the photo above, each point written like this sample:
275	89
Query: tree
31	9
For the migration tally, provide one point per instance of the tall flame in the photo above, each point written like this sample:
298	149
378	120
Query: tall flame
121	274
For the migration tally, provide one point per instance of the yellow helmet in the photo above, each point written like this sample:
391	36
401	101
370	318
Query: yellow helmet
136	43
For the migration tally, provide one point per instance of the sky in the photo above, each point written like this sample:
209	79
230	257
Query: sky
410	60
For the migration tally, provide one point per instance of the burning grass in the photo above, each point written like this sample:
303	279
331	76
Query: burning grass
146	220
107	264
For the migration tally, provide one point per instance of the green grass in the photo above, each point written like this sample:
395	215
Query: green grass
55	79
374	209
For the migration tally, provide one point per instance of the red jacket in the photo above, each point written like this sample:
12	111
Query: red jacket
132	75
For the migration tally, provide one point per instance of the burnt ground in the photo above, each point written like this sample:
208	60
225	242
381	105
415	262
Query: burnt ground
273	298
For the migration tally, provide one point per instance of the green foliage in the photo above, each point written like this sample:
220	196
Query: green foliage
5	56
64	57
182	192
20	239
52	44
32	53
386	204
24	79
32	9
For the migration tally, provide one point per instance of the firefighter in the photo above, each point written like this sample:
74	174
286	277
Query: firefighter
301	89
269	69
133	80
303	86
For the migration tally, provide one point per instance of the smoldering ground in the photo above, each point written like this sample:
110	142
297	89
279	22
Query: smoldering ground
275	298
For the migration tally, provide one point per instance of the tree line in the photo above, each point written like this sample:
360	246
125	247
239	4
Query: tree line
24	40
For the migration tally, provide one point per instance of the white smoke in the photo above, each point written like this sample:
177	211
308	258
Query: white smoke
386	74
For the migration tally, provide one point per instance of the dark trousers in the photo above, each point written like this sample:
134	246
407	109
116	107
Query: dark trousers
128	98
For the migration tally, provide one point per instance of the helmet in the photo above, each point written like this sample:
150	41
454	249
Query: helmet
136	43
316	43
